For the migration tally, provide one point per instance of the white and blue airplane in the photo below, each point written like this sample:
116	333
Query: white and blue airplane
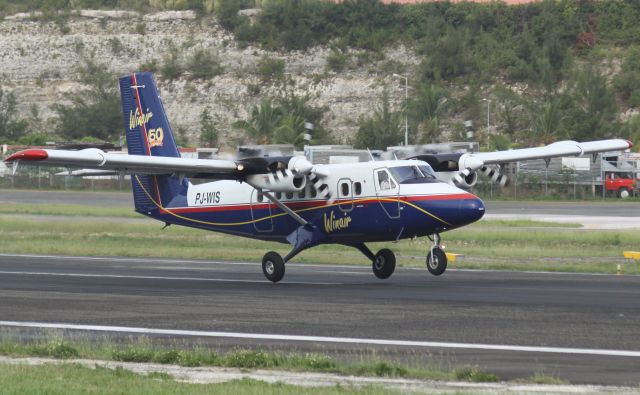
289	199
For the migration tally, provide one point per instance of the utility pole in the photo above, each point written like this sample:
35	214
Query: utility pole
406	115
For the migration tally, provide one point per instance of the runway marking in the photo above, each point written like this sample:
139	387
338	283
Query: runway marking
323	339
365	269
225	280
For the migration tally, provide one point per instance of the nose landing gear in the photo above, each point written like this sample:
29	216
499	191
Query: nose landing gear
436	258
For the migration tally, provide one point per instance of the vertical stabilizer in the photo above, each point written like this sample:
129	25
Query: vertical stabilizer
148	133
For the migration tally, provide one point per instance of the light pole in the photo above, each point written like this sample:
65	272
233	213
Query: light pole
406	115
488	107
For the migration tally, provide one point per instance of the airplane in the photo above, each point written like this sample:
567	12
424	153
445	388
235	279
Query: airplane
289	199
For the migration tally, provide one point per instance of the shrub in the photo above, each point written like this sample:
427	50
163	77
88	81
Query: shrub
337	60
204	64
270	68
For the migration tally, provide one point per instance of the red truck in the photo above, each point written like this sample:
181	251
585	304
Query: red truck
621	184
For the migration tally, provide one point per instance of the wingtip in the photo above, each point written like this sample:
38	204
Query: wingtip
28	154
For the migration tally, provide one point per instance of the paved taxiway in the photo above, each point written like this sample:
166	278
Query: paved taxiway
466	309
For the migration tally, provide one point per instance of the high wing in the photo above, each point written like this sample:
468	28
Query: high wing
558	149
93	158
279	174
462	167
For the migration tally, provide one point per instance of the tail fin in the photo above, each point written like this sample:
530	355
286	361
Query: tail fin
148	133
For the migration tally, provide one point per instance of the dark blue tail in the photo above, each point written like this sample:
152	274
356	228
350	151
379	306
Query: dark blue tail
148	133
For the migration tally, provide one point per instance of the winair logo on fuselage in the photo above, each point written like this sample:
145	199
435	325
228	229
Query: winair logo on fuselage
332	224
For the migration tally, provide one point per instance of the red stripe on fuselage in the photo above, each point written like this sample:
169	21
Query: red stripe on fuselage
319	203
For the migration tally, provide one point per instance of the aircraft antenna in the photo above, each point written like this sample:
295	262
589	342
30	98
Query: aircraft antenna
371	155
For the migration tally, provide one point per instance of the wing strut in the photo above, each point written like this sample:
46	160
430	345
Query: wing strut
286	209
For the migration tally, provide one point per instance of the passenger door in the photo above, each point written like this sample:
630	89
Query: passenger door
261	213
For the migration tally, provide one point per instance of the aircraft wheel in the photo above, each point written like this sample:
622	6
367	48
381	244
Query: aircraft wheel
273	266
438	264
384	263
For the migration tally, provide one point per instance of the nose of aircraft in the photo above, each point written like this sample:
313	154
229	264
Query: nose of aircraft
471	210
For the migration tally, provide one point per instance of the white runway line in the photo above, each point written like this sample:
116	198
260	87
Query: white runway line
365	268
323	339
223	280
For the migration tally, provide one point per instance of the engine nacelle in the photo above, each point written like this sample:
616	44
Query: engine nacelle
278	181
465	179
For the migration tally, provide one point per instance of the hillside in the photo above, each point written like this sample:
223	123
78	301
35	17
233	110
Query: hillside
546	76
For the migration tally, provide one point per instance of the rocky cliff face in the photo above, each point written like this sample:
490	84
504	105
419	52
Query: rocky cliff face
39	63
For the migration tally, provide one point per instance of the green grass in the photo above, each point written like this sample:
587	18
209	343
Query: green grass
67	209
141	349
69	379
513	245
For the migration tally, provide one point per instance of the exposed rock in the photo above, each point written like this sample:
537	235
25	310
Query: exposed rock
39	64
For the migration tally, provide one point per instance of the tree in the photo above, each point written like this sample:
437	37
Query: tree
383	129
11	129
592	114
208	130
427	109
94	111
545	124
290	131
262	123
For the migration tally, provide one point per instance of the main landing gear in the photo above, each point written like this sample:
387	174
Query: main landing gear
383	263
273	266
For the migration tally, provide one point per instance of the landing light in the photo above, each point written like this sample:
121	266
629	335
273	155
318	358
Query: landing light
240	167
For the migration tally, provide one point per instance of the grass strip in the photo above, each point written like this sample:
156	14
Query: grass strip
71	379
502	248
141	350
67	209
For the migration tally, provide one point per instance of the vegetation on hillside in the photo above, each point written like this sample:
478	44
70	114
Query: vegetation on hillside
546	70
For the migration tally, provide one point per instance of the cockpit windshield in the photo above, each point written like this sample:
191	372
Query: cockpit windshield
413	174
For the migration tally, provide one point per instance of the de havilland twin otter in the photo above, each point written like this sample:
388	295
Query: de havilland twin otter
289	199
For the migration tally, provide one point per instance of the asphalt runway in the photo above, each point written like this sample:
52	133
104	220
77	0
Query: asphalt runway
582	328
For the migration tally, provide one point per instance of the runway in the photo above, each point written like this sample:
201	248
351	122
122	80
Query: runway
582	328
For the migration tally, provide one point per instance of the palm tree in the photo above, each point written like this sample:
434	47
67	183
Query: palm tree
262	123
290	131
427	109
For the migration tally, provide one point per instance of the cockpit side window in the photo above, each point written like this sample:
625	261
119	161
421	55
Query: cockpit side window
427	171
413	174
385	182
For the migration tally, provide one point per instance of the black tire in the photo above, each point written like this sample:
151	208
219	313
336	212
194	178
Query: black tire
624	193
384	263
273	266
438	265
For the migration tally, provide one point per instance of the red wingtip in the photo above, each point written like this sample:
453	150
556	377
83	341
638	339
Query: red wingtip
630	143
28	154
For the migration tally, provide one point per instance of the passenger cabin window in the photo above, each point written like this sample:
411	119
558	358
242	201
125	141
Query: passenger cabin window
303	193
260	197
312	191
278	195
357	188
384	181
344	188
289	195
